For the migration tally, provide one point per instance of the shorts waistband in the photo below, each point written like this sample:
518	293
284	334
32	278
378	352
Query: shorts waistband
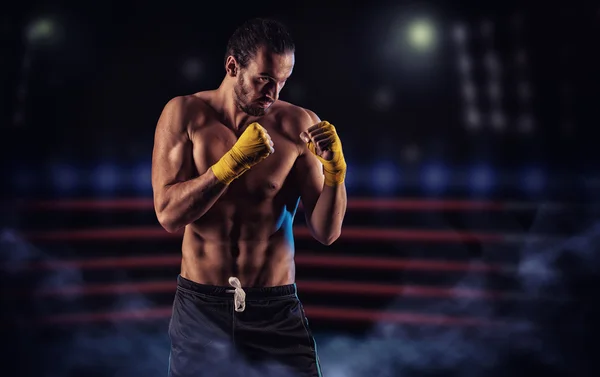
252	293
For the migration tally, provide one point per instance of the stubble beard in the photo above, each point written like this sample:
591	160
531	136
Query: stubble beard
241	94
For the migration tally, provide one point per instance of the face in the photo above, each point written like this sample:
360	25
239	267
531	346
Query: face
259	84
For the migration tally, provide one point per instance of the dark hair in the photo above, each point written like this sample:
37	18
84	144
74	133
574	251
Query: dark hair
255	33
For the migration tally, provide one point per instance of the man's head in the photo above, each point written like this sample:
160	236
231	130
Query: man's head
260	57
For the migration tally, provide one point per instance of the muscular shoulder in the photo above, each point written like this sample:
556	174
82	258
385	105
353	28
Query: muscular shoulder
181	111
297	119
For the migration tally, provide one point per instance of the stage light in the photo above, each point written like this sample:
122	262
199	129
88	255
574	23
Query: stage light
434	178
408	49
421	34
473	118
481	178
459	34
105	178
385	177
43	30
40	29
141	178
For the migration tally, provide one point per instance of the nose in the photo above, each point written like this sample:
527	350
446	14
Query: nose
272	90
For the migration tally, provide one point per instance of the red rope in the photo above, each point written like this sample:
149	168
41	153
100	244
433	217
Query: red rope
301	259
313	312
353	204
300	232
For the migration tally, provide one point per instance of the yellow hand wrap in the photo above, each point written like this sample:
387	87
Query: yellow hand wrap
334	169
251	148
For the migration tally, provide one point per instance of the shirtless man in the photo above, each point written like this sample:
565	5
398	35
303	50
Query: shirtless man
230	167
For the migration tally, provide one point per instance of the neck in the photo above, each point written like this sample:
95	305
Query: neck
233	117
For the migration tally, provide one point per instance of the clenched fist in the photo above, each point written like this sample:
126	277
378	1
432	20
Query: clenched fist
253	146
323	141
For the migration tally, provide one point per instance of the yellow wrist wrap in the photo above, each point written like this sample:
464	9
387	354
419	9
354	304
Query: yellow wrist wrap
334	170
251	148
230	166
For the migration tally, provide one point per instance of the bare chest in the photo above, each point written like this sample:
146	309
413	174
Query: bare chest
262	181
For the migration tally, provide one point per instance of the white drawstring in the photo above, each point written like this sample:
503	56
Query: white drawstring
239	296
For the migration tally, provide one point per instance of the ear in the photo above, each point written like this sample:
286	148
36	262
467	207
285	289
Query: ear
231	66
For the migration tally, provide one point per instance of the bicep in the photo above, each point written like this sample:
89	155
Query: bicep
171	162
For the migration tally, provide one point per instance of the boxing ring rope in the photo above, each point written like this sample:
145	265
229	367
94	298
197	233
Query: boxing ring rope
303	259
300	232
354	204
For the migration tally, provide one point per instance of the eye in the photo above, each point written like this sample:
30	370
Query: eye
263	79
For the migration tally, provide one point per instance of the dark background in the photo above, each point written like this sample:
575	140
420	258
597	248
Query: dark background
471	144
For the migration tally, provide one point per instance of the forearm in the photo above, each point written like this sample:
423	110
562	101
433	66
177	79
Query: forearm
328	215
185	202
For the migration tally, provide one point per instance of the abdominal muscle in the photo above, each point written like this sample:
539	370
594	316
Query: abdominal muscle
255	246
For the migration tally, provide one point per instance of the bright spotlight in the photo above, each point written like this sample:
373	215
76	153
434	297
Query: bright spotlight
409	48
421	34
42	30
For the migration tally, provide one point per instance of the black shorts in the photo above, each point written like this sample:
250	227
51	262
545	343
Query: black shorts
270	337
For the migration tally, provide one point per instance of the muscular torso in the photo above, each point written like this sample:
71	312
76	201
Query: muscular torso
247	233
